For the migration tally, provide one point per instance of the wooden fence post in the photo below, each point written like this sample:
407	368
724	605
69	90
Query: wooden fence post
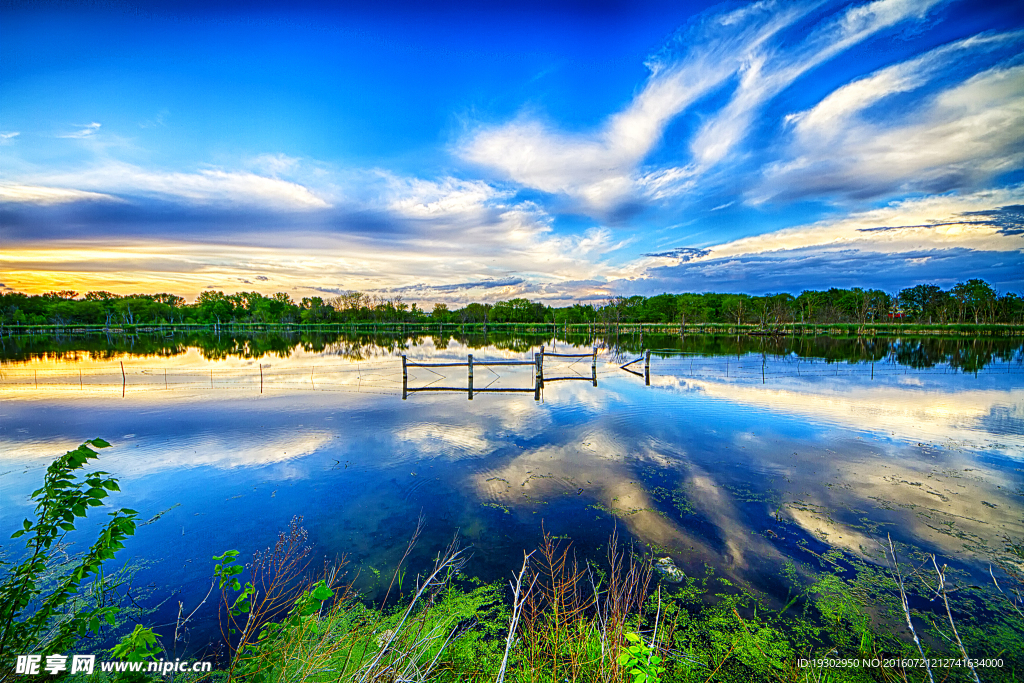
537	377
405	378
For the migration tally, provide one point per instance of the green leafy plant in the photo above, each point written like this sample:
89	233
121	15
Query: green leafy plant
137	646
30	621
227	573
640	661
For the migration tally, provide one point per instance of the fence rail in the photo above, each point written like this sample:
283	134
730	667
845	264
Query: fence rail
380	374
538	378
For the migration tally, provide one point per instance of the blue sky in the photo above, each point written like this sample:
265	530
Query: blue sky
561	152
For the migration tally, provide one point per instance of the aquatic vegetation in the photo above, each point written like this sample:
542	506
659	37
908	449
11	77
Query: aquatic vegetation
43	604
566	620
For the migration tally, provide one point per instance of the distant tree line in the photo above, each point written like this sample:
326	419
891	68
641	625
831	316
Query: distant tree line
974	301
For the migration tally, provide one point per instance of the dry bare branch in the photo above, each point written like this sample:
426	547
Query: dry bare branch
941	573
518	598
895	573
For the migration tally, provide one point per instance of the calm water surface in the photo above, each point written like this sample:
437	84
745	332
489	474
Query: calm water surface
739	461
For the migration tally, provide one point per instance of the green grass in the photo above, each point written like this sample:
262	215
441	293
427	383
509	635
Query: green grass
577	618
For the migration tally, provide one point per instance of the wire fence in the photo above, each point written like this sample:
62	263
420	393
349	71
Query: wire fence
385	375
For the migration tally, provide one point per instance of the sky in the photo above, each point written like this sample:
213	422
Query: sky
464	151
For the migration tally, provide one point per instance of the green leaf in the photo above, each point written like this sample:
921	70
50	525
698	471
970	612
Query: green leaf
99	443
623	658
632	637
321	593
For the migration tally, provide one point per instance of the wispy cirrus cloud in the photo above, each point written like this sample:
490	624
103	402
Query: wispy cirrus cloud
767	69
208	186
86	131
446	197
958	137
752	50
34	194
600	168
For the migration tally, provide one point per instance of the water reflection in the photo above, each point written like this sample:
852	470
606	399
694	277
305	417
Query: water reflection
960	353
740	461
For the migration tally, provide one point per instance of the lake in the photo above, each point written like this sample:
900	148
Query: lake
738	453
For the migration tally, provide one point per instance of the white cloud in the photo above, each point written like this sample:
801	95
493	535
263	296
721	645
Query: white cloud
275	164
436	234
833	112
598	168
203	187
448	197
931	222
601	169
33	194
958	137
83	132
767	70
7	136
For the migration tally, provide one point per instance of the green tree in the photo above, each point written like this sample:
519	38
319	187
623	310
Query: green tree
737	307
214	306
314	310
976	297
441	313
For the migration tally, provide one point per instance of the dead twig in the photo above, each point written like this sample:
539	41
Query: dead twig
894	572
941	573
408	549
706	680
518	598
1017	599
